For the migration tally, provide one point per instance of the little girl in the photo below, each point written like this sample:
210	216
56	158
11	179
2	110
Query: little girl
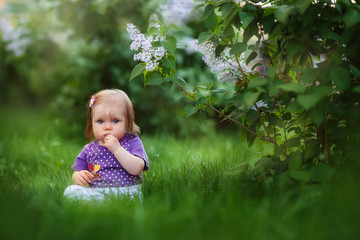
112	164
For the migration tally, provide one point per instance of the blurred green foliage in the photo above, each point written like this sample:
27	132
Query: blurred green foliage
77	48
302	93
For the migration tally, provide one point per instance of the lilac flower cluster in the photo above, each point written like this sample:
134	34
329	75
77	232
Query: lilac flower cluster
177	11
225	65
148	54
14	38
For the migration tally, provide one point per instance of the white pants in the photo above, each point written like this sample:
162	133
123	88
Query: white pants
78	192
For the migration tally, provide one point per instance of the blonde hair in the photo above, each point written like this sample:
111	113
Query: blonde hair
112	95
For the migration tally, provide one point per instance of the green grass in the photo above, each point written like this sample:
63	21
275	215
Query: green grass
190	191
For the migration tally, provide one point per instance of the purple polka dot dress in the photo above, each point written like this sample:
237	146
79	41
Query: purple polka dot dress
111	173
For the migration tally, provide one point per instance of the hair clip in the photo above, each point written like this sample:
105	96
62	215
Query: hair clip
92	100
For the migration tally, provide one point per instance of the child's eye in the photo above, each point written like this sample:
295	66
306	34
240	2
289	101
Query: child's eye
99	121
116	121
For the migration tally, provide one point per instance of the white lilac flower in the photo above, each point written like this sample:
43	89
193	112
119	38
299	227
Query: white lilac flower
186	43
15	40
154	21
177	11
148	54
260	104
225	65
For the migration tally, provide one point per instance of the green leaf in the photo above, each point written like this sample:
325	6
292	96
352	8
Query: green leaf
274	120
155	79
251	57
174	26
169	44
292	142
283	12
156	44
211	22
250	31
190	110
163	30
171	78
292	87
228	32
287	116
137	70
320	173
341	78
201	100
304	4
226	10
295	161
352	18
312	149
269	11
219	49
262	164
252	116
204	36
258	82
180	114
152	31
316	116
170	62
332	35
268	23
208	10
295	47
201	116
181	79
309	76
238	48
220	90
294	107
229	21
272	71
238	170
246	18
299	175
307	101
196	8
251	97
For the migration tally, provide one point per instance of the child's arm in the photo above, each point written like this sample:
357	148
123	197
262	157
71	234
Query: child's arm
82	178
133	164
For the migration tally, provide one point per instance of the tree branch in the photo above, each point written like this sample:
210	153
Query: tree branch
270	139
225	116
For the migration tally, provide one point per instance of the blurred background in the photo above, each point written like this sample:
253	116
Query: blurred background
55	54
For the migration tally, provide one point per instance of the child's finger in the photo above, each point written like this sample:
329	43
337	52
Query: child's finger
83	182
89	174
80	181
86	178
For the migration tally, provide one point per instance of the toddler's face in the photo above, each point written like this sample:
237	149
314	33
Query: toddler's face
108	118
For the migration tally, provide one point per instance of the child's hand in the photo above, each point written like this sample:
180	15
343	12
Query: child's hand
82	178
111	143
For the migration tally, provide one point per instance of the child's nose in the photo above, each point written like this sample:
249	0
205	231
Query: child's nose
107	126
